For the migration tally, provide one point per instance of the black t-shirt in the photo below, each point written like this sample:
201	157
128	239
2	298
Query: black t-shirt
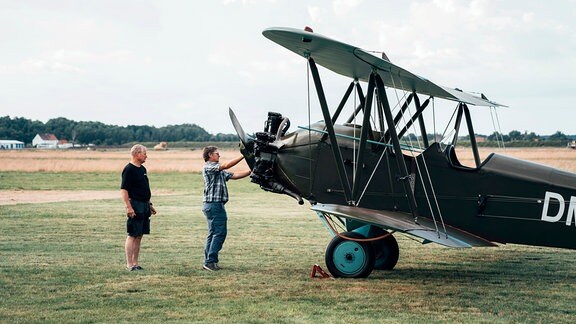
135	181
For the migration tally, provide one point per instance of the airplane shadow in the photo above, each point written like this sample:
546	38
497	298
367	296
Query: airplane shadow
490	268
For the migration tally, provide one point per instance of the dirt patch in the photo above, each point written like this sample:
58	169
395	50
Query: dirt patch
14	197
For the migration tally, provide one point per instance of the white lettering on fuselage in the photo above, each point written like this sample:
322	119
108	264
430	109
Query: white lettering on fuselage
561	203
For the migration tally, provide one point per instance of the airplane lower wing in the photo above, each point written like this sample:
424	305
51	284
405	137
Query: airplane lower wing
403	222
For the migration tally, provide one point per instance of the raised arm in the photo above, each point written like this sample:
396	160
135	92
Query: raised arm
231	163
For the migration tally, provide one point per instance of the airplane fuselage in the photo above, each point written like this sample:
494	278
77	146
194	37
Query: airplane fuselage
505	200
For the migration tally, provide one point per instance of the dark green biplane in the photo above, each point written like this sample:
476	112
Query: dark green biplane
370	180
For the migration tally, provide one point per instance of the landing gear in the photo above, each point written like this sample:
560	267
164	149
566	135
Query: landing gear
386	250
350	259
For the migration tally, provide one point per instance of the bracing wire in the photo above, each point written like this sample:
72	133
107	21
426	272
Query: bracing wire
434	118
309	127
354	133
376	166
420	173
495	129
450	121
499	128
411	152
379	161
373	173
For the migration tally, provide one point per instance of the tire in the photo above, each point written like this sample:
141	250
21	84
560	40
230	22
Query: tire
349	259
386	250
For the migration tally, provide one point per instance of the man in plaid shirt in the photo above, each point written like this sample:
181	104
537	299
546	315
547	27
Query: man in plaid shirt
213	200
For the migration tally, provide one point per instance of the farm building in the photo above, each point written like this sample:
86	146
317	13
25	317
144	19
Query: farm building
64	144
45	141
11	145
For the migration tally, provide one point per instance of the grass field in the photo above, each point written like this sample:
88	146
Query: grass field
63	261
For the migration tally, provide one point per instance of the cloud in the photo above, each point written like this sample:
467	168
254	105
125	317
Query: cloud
32	66
74	61
343	7
315	13
247	2
108	57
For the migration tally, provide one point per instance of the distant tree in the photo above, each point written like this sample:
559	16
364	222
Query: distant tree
530	136
61	127
558	136
515	136
494	137
557	139
90	132
20	129
412	137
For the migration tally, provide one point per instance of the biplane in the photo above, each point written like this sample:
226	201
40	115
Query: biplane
370	180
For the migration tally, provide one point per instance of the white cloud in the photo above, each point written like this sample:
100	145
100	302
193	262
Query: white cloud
74	61
445	5
80	56
315	13
247	2
58	66
528	17
343	7
32	66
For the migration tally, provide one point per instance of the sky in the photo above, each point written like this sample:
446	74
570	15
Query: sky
169	62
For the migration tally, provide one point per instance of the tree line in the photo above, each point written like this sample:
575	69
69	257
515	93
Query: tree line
90	132
512	139
519	139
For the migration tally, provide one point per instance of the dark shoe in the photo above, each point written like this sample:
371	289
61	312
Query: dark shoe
217	266
132	268
210	267
137	267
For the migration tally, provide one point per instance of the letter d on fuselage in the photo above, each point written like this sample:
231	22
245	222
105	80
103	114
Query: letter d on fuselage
561	206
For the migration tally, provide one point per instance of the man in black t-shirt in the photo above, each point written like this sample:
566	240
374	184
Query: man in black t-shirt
135	192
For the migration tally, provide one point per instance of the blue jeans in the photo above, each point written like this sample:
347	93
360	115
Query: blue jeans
217	219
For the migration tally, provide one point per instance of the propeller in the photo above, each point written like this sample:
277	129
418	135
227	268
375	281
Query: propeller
247	147
238	127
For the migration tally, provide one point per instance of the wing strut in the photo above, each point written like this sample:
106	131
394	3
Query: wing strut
411	121
330	129
472	135
421	120
361	97
363	138
343	102
386	135
396	144
463	111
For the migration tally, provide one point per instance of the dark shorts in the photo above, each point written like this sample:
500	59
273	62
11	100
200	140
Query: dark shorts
140	224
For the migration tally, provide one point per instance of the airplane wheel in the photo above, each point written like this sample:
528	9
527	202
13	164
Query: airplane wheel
349	259
386	250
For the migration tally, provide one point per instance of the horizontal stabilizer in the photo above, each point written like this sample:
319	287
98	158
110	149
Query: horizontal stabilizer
404	222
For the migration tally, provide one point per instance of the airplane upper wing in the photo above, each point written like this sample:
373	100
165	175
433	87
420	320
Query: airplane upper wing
403	222
356	63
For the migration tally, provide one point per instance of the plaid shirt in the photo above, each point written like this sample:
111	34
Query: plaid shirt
215	189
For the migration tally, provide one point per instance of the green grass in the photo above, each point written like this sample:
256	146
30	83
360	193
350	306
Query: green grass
64	262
